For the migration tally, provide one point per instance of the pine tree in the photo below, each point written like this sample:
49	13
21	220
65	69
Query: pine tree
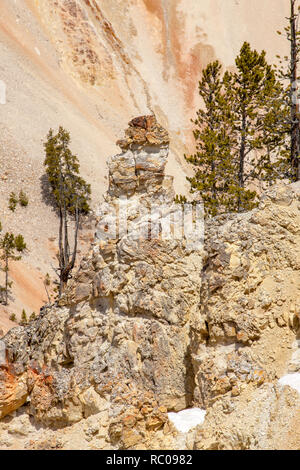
179	199
32	316
291	123
250	90
20	244
9	244
235	142
71	194
24	319
214	172
274	158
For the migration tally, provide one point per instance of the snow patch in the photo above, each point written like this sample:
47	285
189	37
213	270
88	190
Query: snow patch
186	420
293	380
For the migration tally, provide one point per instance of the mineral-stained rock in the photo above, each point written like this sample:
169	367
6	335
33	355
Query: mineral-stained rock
13	390
144	130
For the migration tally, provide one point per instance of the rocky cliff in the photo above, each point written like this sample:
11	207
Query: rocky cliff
91	66
154	323
119	341
250	344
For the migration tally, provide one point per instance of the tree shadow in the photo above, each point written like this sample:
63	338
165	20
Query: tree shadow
47	195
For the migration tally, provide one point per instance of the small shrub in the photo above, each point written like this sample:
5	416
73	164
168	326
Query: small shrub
32	316
47	280
13	317
12	202
24	319
23	199
20	243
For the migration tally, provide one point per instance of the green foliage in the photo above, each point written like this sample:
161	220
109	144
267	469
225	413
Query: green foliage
254	94
71	194
235	142
20	244
32	316
179	199
12	317
47	283
12	202
24	319
23	199
213	177
69	189
9	244
47	280
288	73
8	247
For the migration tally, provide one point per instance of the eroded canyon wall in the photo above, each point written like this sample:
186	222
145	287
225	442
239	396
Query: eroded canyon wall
91	66
153	324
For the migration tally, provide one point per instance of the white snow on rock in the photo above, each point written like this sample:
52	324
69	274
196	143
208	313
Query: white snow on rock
186	420
293	380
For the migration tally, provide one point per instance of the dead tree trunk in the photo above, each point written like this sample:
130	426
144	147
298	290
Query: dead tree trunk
295	121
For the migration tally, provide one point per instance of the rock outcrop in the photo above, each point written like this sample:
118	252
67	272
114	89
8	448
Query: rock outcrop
91	65
144	130
250	307
142	281
119	340
250	297
154	322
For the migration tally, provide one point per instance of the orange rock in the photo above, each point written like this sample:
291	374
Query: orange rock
13	391
129	421
144	130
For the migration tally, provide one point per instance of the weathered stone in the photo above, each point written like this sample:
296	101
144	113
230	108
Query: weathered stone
142	331
142	131
246	333
13	390
120	336
267	418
